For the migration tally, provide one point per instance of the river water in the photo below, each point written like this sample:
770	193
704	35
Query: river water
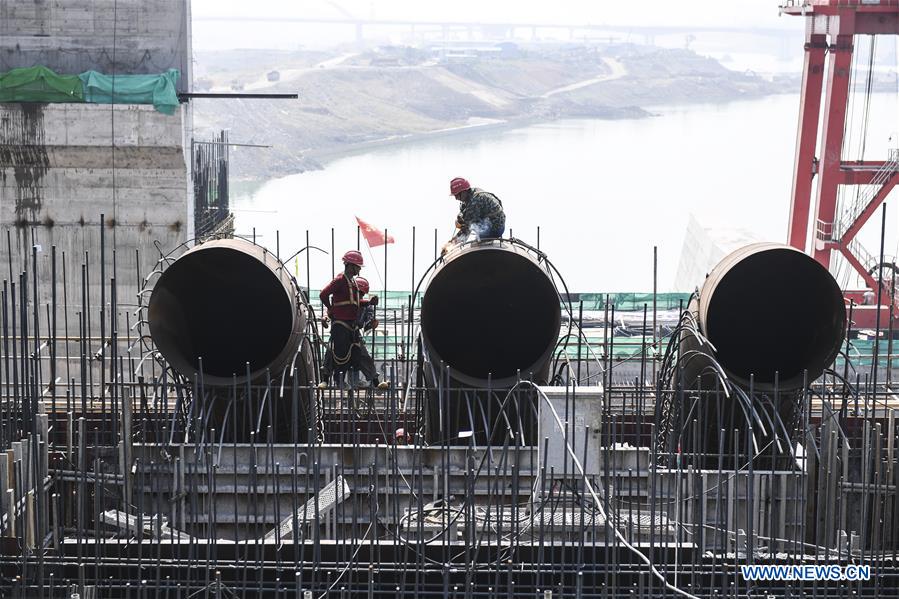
602	192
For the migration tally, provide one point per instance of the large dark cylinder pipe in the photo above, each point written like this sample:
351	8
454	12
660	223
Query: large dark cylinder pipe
491	310
772	318
490	315
772	311
228	302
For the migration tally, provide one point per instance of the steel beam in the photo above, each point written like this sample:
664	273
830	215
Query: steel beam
870	209
835	102
860	172
883	23
806	140
870	281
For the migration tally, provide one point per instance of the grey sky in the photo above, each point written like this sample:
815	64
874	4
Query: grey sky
750	13
279	34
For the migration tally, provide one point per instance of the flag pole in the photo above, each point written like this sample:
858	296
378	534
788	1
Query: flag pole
371	254
374	263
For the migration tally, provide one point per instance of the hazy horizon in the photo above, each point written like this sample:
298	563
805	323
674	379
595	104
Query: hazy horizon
745	13
281	34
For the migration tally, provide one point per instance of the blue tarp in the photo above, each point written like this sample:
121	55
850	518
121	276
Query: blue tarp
158	90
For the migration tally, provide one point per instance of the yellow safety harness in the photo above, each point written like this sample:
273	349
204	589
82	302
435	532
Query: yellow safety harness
351	326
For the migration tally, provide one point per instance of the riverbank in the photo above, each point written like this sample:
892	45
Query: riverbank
356	102
460	133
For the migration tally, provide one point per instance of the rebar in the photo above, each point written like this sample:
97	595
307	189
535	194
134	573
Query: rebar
134	479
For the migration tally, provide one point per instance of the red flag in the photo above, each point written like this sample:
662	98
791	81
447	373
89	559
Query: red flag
373	236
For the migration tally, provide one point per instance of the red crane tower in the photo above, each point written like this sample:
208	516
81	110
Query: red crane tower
831	27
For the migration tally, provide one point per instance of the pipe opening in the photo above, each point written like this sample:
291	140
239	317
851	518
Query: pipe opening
491	311
223	305
776	310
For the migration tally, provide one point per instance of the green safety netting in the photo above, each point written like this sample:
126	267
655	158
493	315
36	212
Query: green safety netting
629	302
158	90
39	84
861	357
623	302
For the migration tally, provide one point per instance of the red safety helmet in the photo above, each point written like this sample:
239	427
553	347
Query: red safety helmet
353	257
458	185
362	285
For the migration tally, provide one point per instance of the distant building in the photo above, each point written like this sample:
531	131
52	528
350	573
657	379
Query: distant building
465	52
385	61
509	50
458	56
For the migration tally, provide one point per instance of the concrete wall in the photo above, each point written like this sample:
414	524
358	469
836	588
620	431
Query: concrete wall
62	166
57	178
111	36
70	162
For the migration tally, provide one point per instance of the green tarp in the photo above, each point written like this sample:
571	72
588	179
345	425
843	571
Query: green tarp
158	90
39	84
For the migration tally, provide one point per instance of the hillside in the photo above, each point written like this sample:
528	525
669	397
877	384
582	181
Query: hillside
350	100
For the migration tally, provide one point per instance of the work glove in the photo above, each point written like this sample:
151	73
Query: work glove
325	322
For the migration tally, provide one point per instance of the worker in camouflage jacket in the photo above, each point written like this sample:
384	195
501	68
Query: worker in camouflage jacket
480	213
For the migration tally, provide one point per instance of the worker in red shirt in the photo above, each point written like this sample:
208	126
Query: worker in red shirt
342	300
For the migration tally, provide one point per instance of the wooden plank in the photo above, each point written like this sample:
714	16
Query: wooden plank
30	535
10	513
